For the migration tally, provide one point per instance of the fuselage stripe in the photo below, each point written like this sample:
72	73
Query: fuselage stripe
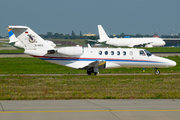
92	59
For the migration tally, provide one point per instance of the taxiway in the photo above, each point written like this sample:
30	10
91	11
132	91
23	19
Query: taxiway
123	109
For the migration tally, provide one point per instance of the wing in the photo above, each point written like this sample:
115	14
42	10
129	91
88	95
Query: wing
96	64
140	44
86	65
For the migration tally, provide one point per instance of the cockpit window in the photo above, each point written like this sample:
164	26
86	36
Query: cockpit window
148	53
141	53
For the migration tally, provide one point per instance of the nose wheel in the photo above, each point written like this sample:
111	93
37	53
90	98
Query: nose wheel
157	72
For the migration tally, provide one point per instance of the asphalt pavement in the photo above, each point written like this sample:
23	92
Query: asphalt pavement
118	109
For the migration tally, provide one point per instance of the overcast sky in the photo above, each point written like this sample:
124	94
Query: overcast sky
116	16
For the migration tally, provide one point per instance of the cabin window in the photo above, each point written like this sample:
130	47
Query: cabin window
112	52
124	52
141	53
118	53
106	52
148	53
100	52
130	53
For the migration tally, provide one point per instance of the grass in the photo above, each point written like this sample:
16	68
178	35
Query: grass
89	87
12	51
4	43
164	49
26	87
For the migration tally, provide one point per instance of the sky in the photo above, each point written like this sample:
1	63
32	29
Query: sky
116	16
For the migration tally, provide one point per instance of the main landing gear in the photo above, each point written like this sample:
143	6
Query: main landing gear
92	72
157	72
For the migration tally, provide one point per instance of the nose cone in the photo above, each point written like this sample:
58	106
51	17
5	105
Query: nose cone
171	63
163	43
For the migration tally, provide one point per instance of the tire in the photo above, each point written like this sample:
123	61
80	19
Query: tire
89	72
157	72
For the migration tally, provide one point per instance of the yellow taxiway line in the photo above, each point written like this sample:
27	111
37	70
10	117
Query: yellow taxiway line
89	111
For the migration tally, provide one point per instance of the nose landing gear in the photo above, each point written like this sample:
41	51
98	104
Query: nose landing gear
157	72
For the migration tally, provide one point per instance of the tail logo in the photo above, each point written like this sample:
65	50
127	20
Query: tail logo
31	39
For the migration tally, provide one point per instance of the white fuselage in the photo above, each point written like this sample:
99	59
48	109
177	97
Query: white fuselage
130	42
114	57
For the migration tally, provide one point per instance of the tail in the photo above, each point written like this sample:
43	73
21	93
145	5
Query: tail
102	34
31	42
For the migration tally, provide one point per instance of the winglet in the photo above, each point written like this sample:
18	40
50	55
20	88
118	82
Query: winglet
12	37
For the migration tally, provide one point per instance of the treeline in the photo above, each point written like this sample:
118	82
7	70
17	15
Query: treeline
50	35
123	35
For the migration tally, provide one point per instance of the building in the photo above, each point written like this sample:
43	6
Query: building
172	42
89	34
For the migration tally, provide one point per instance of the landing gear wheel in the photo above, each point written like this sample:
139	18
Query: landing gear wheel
89	72
95	73
157	72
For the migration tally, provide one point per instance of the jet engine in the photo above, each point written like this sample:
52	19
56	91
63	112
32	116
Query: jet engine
71	51
148	46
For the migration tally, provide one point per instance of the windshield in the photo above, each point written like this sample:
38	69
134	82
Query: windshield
148	53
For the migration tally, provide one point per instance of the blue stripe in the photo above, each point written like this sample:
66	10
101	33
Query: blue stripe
10	33
99	60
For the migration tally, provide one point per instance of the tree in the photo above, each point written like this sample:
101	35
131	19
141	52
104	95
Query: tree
80	34
67	36
56	35
73	35
61	36
122	35
49	34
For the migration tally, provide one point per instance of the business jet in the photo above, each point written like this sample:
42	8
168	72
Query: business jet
13	41
129	42
86	58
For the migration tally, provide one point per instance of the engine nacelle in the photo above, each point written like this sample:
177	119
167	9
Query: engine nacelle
148	46
71	51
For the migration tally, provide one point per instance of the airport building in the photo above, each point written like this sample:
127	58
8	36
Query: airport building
172	42
89	34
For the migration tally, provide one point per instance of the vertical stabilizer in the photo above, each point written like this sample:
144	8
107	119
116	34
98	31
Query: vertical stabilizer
32	42
102	34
